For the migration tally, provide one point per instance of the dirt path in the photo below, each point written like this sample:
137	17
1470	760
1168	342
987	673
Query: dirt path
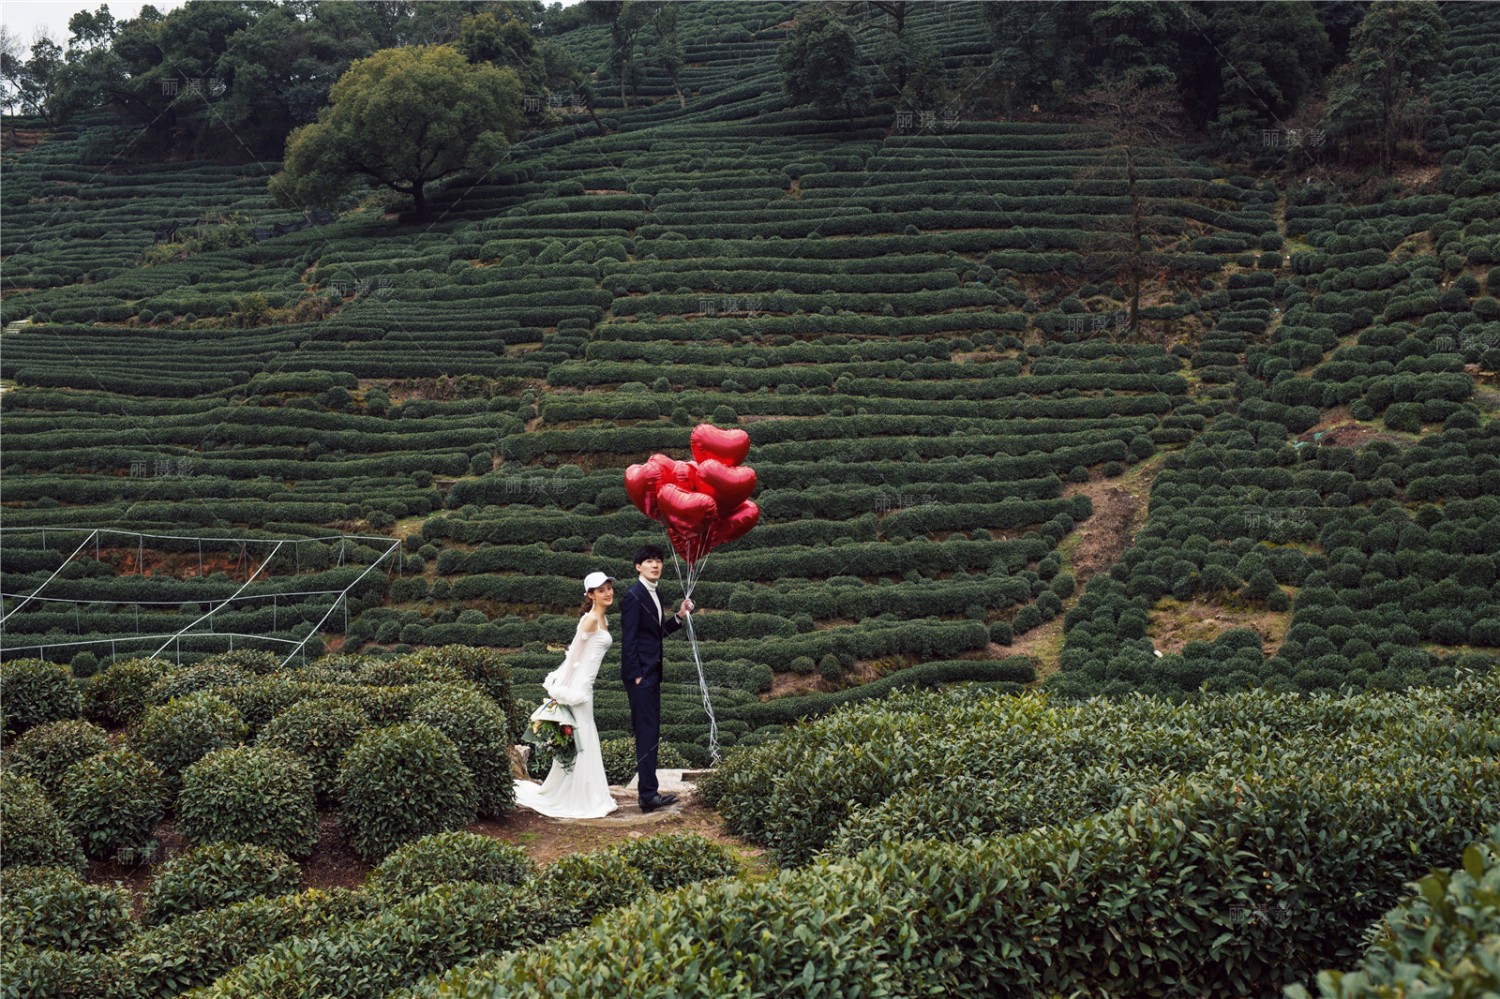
1120	506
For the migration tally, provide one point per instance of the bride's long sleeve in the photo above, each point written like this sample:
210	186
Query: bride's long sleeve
579	687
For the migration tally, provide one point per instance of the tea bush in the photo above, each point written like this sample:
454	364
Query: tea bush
177	734
620	763
671	861
195	948
52	908
47	751
249	794
1236	872
1438	941
113	801
216	875
121	693
34	692
401	783
481	732
34	835
446	857
320	731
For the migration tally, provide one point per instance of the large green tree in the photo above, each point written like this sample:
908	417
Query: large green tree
402	119
1267	57
1038	51
1142	42
31	82
1378	95
820	62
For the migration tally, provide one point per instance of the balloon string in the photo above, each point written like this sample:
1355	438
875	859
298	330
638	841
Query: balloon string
687	583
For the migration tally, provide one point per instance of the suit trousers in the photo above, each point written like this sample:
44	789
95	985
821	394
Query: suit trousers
645	719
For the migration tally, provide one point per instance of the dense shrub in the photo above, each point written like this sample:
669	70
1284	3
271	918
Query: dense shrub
252	794
1440	941
320	731
195	948
446	857
113	801
53	908
481	731
430	932
34	692
177	734
485	668
401	783
216	875
578	887
47	751
121	694
671	861
206	675
34	835
1302	843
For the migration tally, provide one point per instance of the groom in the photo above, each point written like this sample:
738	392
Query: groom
644	625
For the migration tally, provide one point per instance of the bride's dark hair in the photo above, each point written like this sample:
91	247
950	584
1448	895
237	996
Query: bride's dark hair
588	602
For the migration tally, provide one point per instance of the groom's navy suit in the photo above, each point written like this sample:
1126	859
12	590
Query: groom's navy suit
640	659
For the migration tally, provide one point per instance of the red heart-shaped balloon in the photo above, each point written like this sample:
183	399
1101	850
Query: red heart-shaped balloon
691	547
640	485
730	485
685	474
668	468
685	511
729	446
734	525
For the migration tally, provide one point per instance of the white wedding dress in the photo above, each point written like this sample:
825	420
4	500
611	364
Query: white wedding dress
584	793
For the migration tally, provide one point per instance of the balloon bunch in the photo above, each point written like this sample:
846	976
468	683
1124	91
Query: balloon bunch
702	504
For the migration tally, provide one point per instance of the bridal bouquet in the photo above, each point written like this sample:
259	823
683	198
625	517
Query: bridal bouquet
551	726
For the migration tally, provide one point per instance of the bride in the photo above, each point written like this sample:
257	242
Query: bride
584	793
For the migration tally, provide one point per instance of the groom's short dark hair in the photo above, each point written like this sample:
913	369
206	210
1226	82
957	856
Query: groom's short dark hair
645	552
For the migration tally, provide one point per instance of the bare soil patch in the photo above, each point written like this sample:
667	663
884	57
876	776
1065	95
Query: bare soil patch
1340	430
546	840
1174	623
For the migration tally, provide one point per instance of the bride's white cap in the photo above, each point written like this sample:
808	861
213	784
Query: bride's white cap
594	580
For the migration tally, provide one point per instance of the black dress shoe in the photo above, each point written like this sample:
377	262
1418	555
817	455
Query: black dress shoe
658	801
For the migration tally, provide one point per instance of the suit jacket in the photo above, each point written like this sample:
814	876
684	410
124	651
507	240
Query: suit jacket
642	630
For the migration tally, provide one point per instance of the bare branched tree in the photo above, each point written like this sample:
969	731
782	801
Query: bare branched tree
1142	122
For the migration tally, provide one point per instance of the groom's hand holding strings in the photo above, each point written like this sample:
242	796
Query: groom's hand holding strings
687	605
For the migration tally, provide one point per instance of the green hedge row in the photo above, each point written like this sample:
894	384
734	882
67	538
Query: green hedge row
1242	879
